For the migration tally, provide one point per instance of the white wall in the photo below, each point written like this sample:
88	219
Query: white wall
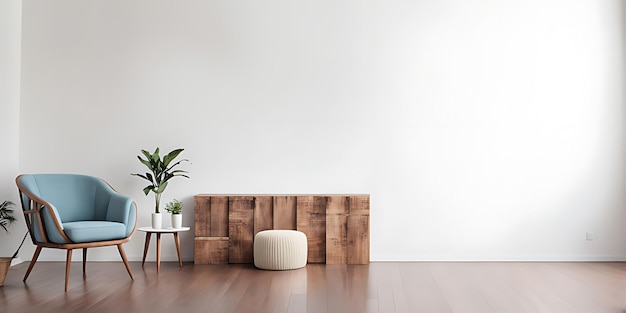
10	33
483	130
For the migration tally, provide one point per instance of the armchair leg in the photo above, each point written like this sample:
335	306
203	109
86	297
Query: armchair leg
84	262
32	262
123	255
68	261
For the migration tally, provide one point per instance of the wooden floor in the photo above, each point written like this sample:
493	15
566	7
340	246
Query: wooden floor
378	287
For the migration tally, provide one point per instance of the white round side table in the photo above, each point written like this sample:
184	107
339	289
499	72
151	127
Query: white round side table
149	231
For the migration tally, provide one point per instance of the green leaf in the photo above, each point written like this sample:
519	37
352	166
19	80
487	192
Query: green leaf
177	163
145	162
161	187
148	189
171	156
155	155
146	154
142	176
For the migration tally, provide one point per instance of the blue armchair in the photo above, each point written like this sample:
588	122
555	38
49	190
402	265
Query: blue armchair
70	211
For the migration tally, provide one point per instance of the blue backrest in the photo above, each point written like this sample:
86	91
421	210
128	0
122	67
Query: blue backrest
76	197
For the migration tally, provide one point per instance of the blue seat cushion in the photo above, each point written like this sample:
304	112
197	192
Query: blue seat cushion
88	231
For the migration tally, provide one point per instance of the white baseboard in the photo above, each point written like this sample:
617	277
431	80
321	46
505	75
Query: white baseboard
581	258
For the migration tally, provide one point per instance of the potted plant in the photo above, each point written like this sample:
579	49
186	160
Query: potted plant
175	207
161	171
6	219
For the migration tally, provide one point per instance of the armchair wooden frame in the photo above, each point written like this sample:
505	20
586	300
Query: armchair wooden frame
32	212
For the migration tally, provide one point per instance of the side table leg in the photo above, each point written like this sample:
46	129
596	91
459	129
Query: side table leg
145	248
177	240
158	252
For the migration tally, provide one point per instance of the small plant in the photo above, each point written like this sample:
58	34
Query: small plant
6	219
160	172
174	207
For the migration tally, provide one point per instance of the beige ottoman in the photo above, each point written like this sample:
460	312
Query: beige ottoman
280	249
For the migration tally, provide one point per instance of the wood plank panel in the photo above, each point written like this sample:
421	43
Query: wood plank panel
336	239
311	220
358	239
219	216
240	229
336	230
359	230
202	215
284	212
263	213
337	205
359	205
337	226
210	250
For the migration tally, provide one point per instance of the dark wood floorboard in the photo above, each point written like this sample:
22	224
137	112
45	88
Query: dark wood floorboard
431	287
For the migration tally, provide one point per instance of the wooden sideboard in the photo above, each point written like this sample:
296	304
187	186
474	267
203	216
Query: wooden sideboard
336	226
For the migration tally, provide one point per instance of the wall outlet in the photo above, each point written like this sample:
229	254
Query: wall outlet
589	236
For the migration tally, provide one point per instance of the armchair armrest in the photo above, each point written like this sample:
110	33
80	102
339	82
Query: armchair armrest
53	226
122	209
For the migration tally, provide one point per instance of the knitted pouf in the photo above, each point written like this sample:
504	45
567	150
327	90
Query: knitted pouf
280	250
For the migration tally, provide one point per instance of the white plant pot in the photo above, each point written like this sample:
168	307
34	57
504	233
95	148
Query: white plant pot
177	220
157	220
